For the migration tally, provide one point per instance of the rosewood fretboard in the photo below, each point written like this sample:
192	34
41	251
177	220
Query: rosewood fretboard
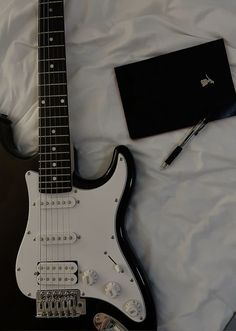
54	135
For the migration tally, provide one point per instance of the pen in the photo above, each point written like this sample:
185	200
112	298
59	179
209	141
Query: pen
178	149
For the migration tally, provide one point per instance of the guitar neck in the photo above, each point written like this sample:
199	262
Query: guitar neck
54	135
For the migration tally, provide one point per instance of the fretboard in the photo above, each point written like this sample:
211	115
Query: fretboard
54	135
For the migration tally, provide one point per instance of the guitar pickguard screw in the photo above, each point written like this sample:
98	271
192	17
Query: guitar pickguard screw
28	173
18	269
28	232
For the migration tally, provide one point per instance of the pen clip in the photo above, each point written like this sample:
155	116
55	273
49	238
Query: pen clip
195	130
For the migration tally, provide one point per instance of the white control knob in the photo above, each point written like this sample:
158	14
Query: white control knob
133	308
90	277
112	290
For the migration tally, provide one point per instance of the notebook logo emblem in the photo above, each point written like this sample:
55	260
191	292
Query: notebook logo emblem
206	81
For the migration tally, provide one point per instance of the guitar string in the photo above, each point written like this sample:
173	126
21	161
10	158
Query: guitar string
60	110
68	210
40	12
43	165
49	178
53	211
63	110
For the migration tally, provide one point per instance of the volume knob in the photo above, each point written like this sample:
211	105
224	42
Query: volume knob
133	308
90	277
112	290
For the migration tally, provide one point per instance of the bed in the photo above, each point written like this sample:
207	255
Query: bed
181	221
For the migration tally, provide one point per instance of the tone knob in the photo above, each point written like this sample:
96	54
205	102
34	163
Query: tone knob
112	290
133	308
90	277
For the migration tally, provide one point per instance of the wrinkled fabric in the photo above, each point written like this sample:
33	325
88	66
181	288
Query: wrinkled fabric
181	221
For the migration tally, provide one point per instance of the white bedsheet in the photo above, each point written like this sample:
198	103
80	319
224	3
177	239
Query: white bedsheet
182	220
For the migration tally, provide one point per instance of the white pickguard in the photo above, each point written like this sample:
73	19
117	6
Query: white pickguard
87	226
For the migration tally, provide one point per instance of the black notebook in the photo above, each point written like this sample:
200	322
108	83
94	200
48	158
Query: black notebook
175	90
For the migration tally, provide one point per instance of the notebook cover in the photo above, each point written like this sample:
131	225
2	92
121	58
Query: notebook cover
175	90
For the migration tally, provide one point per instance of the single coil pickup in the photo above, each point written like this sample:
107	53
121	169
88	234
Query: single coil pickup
57	238
57	267
57	279
47	202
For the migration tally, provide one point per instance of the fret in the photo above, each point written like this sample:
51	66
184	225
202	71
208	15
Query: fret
55	84
59	126
52	107
52	72
41	2
54	153
55	169
49	17
40	145
59	59
52	96
53	32
55	190
46	46
52	117
65	160
64	177
44	171
55	136
54	182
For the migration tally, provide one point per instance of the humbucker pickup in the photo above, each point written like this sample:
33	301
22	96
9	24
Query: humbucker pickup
57	273
59	303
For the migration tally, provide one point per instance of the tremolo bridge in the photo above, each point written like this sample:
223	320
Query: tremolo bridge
60	303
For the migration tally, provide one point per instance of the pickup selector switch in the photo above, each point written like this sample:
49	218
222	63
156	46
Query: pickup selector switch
112	290
90	277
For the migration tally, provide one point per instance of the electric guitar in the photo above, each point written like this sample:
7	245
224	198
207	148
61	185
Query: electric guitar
66	261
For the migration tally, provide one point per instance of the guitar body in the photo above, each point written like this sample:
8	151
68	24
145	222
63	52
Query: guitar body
90	220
